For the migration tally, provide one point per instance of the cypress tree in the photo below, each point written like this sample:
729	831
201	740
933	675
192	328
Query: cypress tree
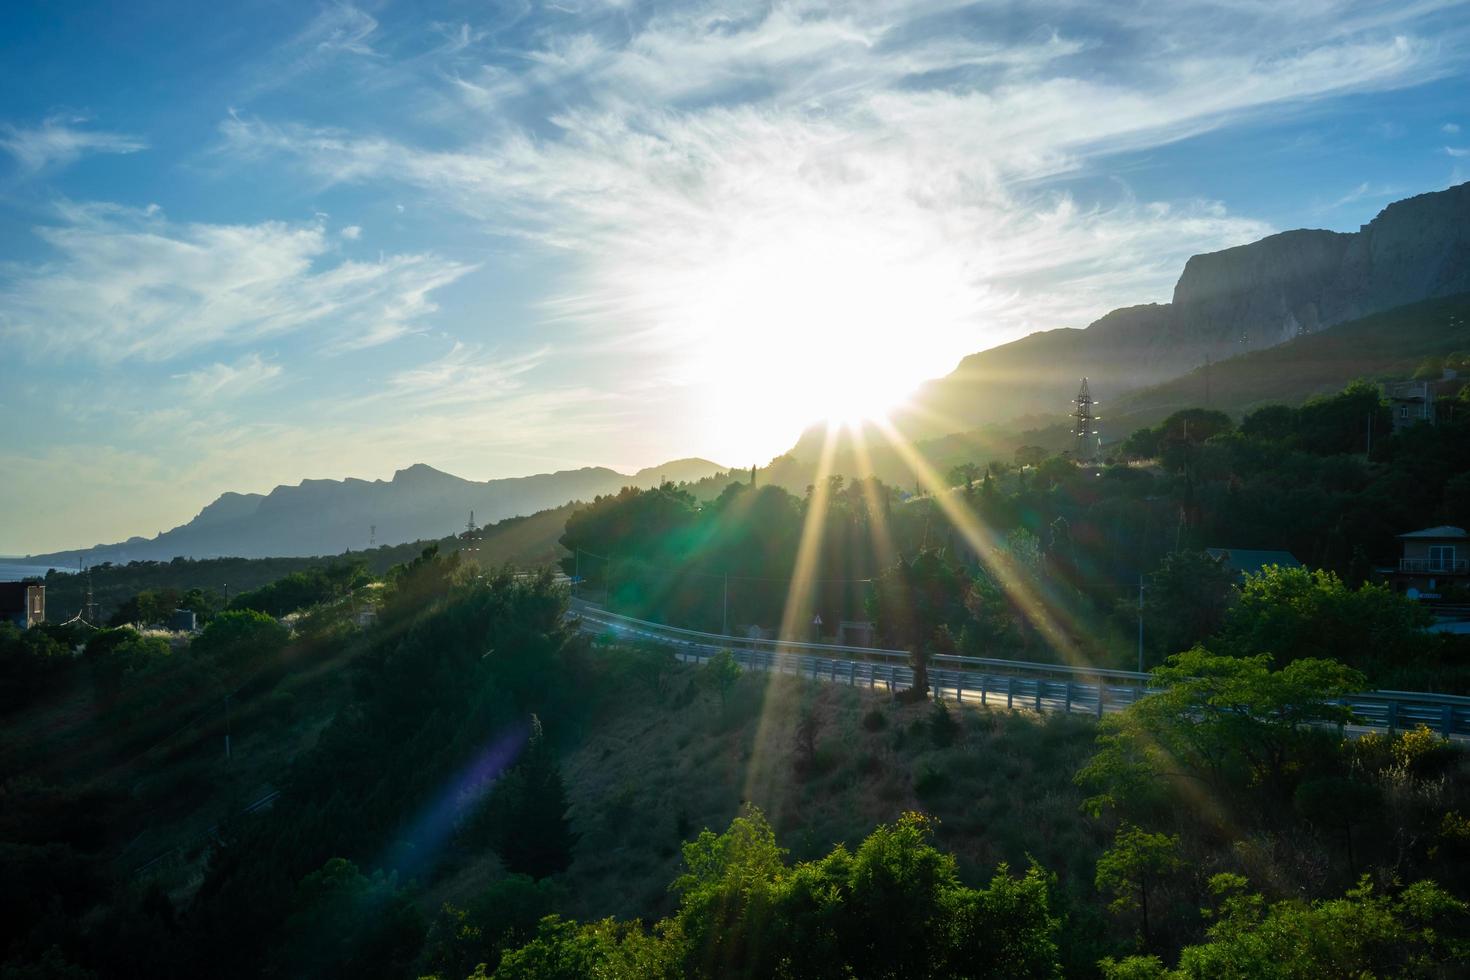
533	835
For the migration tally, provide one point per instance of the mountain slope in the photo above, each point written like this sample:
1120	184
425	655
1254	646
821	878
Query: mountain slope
1225	304
326	517
1382	347
1385	346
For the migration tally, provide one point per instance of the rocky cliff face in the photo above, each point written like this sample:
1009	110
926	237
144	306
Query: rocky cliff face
1258	295
1281	287
1225	303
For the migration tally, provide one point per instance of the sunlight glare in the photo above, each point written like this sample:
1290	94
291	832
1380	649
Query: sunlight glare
816	325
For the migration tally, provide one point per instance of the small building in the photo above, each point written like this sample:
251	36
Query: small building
1411	402
1432	559
856	633
183	621
22	603
1246	561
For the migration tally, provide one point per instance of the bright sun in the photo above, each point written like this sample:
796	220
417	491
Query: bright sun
817	326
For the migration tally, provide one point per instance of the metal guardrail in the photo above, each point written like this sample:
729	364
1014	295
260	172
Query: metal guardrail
677	633
1024	684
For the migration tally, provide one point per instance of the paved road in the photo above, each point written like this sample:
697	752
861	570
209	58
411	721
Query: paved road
1016	684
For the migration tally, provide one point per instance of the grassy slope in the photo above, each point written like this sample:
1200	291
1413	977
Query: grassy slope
657	767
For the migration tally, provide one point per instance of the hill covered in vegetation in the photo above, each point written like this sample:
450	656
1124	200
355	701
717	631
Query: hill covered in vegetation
468	788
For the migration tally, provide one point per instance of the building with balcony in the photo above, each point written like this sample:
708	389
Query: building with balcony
1433	559
1411	402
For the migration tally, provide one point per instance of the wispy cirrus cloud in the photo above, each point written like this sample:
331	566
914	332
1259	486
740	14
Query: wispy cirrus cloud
61	140
708	131
736	185
130	284
222	381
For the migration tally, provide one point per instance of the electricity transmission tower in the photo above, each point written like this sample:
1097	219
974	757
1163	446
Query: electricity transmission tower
1084	424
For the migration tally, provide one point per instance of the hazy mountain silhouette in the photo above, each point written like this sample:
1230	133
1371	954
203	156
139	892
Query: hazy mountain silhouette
325	517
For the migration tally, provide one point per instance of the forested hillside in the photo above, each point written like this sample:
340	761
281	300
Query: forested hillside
1045	560
525	542
466	782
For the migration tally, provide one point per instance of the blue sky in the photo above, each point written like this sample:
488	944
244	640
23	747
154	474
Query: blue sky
245	244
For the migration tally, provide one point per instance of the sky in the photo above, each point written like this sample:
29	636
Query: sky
246	244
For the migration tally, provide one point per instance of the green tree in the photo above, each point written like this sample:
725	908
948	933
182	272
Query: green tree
120	656
964	476
1030	455
241	640
504	916
346	924
30	662
1138	863
893	908
533	834
204	603
912	601
1340	423
1270	423
720	673
1300	613
1418	932
1228	727
1141	444
415	585
1187	599
146	608
606	950
990	626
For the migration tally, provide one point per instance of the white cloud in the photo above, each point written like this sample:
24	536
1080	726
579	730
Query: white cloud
711	130
745	190
1362	192
221	381
131	284
352	233
1450	129
58	141
1458	151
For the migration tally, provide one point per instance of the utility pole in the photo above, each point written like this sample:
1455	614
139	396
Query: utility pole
576	572
227	727
725	615
1140	622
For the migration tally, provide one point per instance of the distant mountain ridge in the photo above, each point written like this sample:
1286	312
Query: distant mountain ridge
327	517
1225	304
